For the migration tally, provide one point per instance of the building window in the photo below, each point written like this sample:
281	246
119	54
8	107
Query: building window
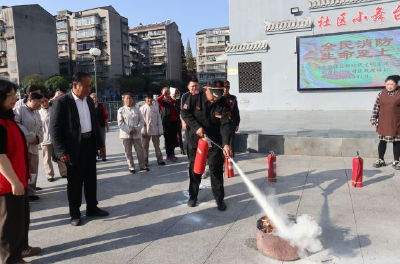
158	50
155	33
250	77
4	76
85	57
214	67
61	24
157	41
88	33
215	39
201	40
85	46
62	36
220	48
87	21
62	48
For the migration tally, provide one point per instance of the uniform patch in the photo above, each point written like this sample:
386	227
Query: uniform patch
218	115
185	106
198	107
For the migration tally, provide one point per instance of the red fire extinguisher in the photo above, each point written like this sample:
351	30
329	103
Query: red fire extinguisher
357	171
201	156
229	173
272	167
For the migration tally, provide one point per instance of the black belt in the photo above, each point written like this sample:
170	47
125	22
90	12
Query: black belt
87	134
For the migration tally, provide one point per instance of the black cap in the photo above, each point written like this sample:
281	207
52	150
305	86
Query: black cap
227	84
217	89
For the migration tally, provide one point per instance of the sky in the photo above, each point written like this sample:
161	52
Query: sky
190	16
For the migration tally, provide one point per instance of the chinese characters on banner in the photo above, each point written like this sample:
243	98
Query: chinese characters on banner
345	71
347	49
343	20
366	48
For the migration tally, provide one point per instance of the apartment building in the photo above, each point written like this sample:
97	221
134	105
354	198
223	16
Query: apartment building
211	43
156	50
103	28
28	42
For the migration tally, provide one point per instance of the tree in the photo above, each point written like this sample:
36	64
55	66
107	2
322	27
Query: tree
132	84
34	79
101	84
184	70
190	62
56	82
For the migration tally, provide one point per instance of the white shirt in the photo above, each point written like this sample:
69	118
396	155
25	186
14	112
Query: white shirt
84	114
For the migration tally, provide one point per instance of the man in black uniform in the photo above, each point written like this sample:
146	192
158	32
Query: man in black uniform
206	114
231	100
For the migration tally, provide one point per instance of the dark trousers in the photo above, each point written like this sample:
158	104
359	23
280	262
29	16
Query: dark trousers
215	162
170	135
83	173
14	226
382	150
179	137
232	140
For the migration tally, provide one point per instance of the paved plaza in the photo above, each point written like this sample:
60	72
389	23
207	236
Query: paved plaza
149	221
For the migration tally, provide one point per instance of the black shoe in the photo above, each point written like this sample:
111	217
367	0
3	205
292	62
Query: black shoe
221	205
183	152
76	221
50	180
64	176
132	171
192	202
33	198
145	169
104	159
39	189
379	163
162	163
396	165
97	212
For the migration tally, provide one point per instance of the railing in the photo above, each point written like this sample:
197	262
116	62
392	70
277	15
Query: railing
113	106
112	109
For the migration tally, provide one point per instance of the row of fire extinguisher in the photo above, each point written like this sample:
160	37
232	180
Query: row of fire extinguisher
204	145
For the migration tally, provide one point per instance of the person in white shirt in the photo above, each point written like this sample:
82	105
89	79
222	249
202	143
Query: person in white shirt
28	90
28	119
152	129
76	140
47	146
130	123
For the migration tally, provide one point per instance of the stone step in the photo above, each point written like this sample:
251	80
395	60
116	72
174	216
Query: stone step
309	146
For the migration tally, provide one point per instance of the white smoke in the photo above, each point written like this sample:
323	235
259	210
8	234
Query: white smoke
303	234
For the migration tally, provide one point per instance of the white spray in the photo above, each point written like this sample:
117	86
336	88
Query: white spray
302	234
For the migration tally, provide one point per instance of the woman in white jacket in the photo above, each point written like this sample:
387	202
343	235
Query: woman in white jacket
47	146
28	119
152	129
130	123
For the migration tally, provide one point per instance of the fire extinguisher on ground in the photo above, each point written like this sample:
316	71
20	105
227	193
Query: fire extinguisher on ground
357	176
272	167
201	156
229	173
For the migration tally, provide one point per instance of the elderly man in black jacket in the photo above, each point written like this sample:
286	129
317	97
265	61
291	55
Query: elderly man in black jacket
76	139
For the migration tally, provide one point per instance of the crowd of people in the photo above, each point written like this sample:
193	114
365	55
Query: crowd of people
70	128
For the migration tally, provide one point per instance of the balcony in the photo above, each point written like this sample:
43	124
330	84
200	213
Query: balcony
3	62
133	41
63	60
9	33
4	76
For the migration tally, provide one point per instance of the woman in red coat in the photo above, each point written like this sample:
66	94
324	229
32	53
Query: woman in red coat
14	174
